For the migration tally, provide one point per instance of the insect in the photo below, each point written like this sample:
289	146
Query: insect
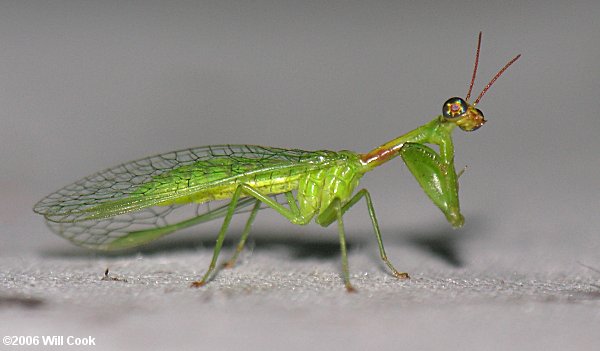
140	201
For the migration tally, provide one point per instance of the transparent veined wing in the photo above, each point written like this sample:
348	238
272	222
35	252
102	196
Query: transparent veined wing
145	196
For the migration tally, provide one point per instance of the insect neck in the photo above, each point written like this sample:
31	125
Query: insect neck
431	132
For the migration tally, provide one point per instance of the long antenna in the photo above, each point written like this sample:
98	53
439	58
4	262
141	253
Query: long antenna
474	69
495	77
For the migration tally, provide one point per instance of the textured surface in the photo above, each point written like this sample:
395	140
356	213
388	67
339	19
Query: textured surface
88	85
280	297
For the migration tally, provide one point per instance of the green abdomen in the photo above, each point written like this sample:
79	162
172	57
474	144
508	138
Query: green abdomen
274	182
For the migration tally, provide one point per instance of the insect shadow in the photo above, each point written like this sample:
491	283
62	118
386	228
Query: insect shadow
300	244
439	242
20	301
442	244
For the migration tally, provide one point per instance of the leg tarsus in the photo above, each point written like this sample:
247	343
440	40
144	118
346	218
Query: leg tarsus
230	263
401	275
197	284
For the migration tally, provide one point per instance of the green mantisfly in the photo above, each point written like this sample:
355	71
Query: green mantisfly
140	201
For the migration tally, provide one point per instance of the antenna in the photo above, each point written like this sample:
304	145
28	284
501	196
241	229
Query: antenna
474	69
494	79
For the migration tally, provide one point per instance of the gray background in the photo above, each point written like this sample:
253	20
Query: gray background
88	84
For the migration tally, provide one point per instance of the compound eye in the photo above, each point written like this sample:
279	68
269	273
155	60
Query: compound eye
454	108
